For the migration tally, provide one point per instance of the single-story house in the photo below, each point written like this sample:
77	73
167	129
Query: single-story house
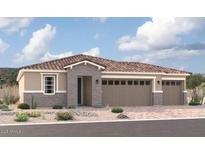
93	81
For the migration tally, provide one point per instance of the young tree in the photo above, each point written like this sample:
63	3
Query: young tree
193	82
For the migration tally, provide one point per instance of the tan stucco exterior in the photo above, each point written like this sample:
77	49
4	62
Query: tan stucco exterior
62	81
66	87
32	81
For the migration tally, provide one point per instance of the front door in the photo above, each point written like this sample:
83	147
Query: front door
80	90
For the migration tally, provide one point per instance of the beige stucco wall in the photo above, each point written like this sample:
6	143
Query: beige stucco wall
32	81
62	81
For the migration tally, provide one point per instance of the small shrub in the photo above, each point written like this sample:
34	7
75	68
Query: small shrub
3	106
1	102
64	116
21	117
57	107
71	107
24	106
122	116
34	114
195	101
117	110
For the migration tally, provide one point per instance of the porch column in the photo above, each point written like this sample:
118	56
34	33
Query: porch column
157	93
71	89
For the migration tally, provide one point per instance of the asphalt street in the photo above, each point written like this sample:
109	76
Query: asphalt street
147	128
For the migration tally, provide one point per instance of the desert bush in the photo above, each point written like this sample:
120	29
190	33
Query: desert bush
23	106
21	117
57	107
117	110
71	107
64	116
3	106
122	116
10	99
195	101
34	114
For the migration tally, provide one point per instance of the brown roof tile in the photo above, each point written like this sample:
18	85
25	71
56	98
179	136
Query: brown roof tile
110	65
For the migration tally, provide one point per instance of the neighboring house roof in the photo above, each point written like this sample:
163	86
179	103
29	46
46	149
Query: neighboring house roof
109	65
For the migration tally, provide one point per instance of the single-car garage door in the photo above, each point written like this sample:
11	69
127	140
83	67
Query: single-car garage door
126	92
172	92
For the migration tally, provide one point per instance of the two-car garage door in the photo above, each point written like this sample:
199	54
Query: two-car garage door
127	92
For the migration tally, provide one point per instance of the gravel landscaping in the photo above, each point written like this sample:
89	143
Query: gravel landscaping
100	114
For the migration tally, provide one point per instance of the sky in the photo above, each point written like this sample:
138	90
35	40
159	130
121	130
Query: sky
170	42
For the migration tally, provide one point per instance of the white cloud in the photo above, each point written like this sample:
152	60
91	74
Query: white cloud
38	44
49	56
3	46
159	34
174	54
93	52
14	24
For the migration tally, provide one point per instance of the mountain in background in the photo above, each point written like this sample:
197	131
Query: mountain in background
8	76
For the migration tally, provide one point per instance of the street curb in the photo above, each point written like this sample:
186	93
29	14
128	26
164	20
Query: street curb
103	121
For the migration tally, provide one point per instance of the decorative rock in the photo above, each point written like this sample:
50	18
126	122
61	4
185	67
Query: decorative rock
122	116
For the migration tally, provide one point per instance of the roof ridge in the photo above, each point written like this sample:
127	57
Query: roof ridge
155	66
111	65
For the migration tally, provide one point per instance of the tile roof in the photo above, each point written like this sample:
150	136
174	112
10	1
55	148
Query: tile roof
110	65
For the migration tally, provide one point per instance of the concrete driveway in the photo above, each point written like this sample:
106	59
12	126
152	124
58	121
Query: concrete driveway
146	128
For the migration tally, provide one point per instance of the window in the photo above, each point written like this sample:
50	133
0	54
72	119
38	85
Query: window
173	83
178	83
167	83
135	82
147	83
104	82
49	84
117	82
123	82
162	82
110	82
141	83
129	82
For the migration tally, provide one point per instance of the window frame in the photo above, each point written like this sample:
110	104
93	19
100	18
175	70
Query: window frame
54	84
147	83
123	81
104	82
110	82
130	82
116	82
142	83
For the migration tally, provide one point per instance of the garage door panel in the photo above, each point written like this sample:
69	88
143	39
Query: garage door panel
127	95
172	93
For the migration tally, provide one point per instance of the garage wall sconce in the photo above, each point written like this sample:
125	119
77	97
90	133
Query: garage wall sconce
158	82
97	81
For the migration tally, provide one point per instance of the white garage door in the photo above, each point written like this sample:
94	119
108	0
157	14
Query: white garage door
126	92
